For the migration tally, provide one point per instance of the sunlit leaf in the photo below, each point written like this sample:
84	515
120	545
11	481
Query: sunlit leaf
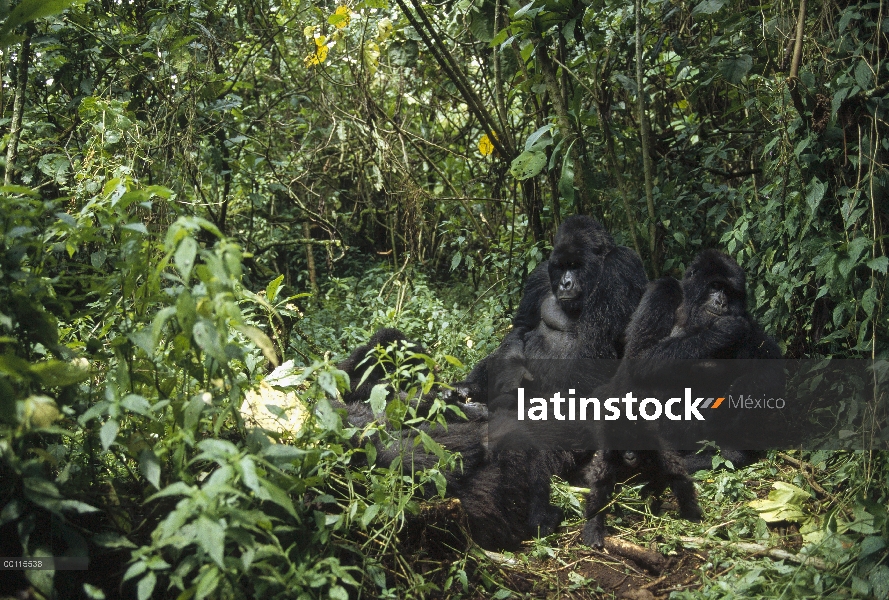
340	17
485	146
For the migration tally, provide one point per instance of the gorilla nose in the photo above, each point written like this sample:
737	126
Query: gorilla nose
568	288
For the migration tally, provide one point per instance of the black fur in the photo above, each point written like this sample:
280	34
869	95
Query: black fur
652	321
704	317
364	358
575	305
710	322
658	469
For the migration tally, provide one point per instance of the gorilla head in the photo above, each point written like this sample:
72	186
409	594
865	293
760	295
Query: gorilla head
713	287
577	260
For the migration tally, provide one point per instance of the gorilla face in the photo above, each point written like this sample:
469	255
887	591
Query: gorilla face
713	287
575	265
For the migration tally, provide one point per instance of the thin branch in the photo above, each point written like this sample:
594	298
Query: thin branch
646	152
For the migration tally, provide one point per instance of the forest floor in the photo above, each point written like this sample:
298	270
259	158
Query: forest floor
646	556
559	567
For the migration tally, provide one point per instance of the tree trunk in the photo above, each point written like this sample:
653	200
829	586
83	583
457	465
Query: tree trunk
18	107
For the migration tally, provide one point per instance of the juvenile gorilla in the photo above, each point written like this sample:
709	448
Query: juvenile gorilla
711	322
705	317
659	468
363	363
364	357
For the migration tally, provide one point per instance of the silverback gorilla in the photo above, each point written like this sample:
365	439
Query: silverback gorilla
575	305
704	317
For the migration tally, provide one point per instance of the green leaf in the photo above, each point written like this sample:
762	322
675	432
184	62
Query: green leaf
524	10
138	227
869	301
279	497
217	449
150	467
262	341
28	10
211	537
135	570
93	592
108	433
566	179
499	38
192	414
206	336
326	416
531	143
378	398
864	77
208	583
527	165
879	581
338	592
55	373
146	586
879	263
271	290
870	545
734	69
184	257
180	488
815	194
136	404
455	260
369	515
248	475
97	258
708	7
453	360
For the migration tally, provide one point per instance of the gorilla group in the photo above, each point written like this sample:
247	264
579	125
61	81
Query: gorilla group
579	304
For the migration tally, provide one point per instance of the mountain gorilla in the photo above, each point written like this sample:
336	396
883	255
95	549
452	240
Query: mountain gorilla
575	305
704	317
652	321
712	322
364	363
364	358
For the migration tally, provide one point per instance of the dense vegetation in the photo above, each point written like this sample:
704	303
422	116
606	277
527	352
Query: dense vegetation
198	191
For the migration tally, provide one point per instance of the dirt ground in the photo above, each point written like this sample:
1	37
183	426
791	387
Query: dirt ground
624	569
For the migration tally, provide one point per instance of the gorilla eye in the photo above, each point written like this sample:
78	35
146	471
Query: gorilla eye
717	286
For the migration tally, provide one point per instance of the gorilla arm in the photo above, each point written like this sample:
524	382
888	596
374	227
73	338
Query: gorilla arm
654	318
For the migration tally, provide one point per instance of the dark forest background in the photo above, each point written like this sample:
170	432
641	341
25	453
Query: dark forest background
197	191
